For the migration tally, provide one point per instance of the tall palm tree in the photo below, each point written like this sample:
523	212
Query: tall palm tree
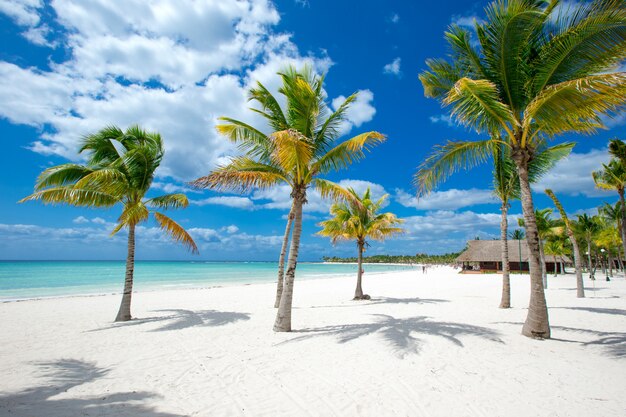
120	169
612	176
537	72
506	188
588	227
360	220
300	149
569	229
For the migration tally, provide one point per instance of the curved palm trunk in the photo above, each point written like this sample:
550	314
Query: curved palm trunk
505	301
124	312
358	293
281	260
537	323
544	272
623	225
283	315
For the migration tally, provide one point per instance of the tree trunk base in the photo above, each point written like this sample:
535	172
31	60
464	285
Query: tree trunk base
505	305
362	297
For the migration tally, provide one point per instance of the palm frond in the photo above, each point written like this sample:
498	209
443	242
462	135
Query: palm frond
447	159
576	105
347	152
242	174
248	139
270	107
61	175
591	38
73	196
176	232
168	201
329	130
476	103
440	78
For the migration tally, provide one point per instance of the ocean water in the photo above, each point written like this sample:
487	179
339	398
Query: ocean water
33	279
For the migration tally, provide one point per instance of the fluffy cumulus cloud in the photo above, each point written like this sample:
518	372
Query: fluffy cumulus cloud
445	231
393	67
168	68
572	176
360	111
446	200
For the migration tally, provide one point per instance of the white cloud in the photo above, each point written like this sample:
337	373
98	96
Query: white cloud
98	220
468	22
393	67
394	18
360	111
230	229
228	201
444	223
447	200
170	188
572	176
23	12
80	220
169	68
443	118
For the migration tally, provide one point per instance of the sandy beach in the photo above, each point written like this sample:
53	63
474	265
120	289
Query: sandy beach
425	345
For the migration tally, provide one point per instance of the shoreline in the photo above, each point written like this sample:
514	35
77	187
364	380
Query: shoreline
183	287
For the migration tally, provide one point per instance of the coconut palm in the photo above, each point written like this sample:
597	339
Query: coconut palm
612	176
569	229
537	71
300	149
506	188
588	227
360	220
120	169
555	247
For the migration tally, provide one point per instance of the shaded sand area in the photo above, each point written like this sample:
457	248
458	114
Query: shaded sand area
425	345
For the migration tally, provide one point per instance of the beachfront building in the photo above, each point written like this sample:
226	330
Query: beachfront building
486	256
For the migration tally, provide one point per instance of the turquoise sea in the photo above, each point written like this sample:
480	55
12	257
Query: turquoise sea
33	279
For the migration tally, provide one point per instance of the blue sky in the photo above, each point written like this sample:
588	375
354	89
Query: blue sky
69	67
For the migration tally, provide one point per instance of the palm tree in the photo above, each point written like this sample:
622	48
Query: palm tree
537	72
119	170
360	220
588	227
613	177
555	247
300	149
544	229
506	188
614	214
569	229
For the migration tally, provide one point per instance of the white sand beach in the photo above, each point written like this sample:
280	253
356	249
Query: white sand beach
425	345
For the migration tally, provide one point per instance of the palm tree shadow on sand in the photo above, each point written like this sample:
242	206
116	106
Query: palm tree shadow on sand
62	376
387	300
614	343
401	334
178	319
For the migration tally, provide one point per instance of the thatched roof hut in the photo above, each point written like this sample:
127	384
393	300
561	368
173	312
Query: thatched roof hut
488	255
